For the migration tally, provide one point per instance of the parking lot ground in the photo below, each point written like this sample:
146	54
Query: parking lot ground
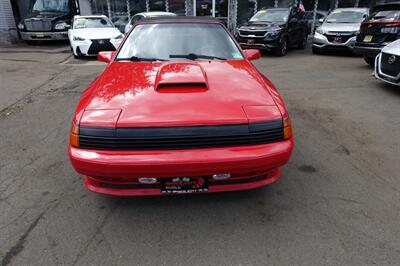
337	203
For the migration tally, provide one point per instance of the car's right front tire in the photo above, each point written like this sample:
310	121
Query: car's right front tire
369	60
316	50
281	50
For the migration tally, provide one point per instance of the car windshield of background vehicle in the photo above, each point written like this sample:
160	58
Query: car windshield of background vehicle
179	41
51	6
342	16
386	15
83	23
271	15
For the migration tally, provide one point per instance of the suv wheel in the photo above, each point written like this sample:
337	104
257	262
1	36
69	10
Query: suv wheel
369	60
303	42
316	50
281	50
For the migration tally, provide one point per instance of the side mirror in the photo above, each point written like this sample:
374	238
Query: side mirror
67	26
105	56
252	54
321	20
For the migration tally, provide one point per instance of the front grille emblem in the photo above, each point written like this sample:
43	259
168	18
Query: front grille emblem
392	59
101	42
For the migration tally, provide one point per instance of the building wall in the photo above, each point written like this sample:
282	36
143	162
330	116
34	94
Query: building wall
8	31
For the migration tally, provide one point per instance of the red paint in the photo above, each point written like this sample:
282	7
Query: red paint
128	94
386	23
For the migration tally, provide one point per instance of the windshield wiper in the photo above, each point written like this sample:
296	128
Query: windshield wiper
138	59
193	56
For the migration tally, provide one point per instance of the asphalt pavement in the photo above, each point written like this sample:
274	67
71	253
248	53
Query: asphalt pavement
337	203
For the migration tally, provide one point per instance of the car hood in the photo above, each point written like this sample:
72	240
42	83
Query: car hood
96	33
152	94
392	48
346	27
261	26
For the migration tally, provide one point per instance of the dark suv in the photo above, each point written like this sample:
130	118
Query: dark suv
380	29
48	20
274	30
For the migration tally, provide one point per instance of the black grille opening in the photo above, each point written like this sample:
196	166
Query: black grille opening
255	33
390	64
100	45
338	38
169	138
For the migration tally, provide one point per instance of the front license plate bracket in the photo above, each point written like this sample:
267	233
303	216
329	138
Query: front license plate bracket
184	185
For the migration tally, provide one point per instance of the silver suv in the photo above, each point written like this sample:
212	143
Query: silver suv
339	29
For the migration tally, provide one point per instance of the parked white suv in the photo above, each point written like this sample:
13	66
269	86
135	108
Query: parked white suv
387	64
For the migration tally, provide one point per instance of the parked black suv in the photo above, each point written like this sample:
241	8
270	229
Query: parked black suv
274	30
48	20
381	28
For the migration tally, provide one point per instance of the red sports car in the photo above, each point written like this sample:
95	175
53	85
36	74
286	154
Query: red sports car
179	109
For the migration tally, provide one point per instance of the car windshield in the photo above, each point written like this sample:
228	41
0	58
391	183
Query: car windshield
51	6
346	16
179	41
271	15
385	15
82	23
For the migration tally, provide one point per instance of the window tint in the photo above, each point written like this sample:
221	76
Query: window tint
385	15
162	40
82	23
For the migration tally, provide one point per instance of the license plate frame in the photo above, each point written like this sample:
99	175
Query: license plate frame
184	185
368	38
338	39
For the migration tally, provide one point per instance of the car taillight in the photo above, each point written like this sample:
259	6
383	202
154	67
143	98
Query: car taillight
74	136
287	128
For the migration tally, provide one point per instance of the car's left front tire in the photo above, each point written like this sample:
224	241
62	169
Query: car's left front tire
303	42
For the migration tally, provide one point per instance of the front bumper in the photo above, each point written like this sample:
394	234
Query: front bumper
44	36
122	166
394	80
267	44
369	50
83	48
320	41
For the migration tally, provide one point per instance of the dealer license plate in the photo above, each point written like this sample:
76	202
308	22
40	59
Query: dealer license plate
368	38
337	40
183	185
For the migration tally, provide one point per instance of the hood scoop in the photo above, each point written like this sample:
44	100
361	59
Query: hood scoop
182	77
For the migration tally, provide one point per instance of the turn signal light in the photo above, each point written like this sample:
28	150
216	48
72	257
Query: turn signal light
287	128
147	180
221	176
74	136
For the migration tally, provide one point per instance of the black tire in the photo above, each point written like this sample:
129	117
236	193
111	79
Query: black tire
369	60
316	50
282	48
303	43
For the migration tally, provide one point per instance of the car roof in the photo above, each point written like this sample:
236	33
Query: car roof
91	16
353	8
273	8
156	13
179	19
